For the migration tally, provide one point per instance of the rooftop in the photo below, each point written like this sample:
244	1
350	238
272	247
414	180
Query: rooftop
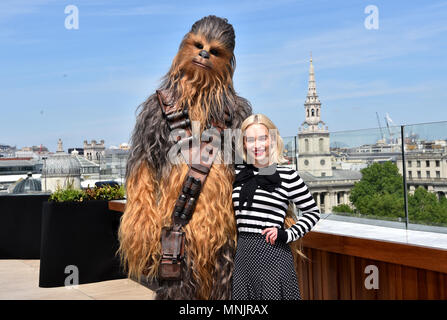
19	280
339	249
16	163
337	174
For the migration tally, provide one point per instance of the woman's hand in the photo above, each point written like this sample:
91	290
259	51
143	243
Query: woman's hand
271	234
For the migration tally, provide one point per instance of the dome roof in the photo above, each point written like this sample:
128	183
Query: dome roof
28	185
61	165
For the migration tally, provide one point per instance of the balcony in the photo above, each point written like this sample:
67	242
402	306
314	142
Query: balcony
393	247
411	264
384	227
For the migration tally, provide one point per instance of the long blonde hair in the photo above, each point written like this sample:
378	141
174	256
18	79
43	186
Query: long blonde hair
276	153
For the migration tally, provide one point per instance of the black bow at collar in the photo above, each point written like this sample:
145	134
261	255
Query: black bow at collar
267	178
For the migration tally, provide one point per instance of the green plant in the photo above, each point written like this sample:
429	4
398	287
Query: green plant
105	193
342	208
97	193
68	194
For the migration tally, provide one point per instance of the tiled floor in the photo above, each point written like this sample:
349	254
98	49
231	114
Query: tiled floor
19	279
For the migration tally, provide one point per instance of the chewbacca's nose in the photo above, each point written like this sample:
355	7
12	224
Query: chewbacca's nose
204	54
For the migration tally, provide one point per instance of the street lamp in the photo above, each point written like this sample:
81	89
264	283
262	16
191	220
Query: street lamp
121	177
99	158
45	166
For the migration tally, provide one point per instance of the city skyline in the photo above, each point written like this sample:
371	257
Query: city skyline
87	83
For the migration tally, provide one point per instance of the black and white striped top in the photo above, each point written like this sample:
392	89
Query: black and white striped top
269	209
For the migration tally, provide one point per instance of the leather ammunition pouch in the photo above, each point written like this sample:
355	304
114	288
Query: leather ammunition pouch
173	248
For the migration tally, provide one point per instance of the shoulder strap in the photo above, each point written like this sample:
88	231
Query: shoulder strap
201	157
175	117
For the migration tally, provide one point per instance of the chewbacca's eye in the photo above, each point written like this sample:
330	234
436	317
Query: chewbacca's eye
198	45
214	52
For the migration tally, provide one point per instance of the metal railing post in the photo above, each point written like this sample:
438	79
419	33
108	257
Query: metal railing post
404	171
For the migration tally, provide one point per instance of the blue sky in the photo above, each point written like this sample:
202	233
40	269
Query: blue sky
86	84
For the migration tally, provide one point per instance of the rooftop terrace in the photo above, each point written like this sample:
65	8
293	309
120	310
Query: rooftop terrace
19	280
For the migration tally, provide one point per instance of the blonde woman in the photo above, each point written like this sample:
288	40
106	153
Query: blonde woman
263	265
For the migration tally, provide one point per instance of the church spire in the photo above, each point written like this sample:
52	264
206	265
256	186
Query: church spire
312	95
312	105
312	87
314	154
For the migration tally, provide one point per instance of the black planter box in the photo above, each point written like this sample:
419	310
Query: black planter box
82	235
20	225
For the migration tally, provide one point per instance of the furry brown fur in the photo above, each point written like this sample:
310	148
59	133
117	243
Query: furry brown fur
205	86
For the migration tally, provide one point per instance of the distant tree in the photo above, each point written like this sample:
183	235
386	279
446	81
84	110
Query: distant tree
380	191
424	207
343	208
443	201
383	205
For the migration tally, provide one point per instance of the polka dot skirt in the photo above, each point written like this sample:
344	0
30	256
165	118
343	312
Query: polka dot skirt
263	271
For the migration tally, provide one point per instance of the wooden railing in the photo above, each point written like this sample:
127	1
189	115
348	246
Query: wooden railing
336	269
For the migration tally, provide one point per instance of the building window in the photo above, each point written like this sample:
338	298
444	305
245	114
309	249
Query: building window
438	163
427	163
320	144
306	162
409	174
323	174
313	113
418	164
419	175
409	164
306	145
428	174
438	174
339	197
322	198
322	162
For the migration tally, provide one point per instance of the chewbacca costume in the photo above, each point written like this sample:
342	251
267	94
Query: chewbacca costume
200	80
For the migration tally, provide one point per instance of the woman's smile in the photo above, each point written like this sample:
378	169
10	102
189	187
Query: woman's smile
259	152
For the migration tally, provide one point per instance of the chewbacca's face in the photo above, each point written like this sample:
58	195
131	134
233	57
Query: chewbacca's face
201	56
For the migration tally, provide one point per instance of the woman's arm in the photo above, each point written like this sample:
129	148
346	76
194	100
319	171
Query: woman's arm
298	193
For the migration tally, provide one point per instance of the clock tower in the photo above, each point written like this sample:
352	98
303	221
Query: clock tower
313	135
